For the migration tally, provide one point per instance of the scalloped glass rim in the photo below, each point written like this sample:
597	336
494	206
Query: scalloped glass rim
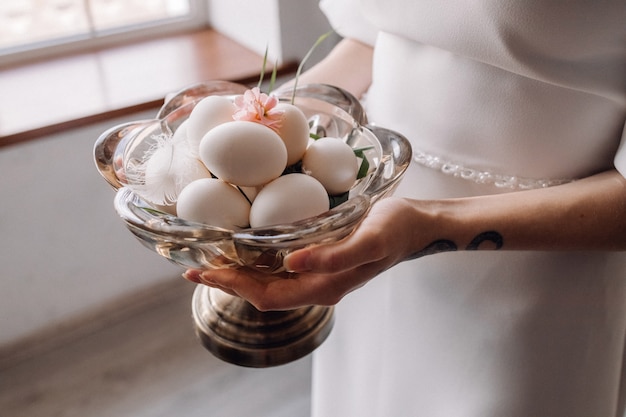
195	245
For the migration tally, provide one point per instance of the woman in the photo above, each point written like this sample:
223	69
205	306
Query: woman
504	288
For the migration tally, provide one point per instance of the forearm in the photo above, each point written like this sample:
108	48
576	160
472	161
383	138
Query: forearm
348	65
589	214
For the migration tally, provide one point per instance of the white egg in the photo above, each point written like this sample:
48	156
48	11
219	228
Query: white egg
333	163
250	192
294	131
244	153
181	132
213	202
211	111
288	199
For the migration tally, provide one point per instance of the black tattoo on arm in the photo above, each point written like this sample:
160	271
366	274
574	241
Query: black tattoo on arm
490	236
437	246
444	245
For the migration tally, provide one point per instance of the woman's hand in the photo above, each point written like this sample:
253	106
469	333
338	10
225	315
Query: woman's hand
324	274
589	214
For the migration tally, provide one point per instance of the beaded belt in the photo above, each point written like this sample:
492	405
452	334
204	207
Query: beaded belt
482	176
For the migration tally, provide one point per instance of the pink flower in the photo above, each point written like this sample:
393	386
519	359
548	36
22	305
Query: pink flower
255	106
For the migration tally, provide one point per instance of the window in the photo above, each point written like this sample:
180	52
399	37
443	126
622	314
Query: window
30	28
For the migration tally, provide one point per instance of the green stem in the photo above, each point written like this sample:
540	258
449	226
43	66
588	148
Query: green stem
306	57
263	68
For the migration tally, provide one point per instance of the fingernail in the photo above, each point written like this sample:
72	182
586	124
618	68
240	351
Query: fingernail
192	276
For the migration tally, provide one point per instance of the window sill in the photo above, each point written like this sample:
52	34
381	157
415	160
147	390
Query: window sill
46	97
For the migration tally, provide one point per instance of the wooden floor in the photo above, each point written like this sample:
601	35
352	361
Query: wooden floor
151	365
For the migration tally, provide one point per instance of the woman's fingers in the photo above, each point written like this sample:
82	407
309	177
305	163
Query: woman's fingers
282	292
321	274
195	275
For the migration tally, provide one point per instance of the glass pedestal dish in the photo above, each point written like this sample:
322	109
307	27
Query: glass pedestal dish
228	326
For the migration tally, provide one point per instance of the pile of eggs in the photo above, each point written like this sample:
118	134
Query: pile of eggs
230	165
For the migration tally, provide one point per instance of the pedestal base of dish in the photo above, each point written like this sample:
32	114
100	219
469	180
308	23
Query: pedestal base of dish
236	332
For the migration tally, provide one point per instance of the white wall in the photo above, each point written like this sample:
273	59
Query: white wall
287	28
302	23
64	250
254	24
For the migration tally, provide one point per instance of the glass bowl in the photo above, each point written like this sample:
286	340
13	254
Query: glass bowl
331	111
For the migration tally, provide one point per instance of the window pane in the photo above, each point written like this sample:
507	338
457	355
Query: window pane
27	21
24	22
109	14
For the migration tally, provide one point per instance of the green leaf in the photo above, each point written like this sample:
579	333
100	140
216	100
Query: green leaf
273	79
335	200
365	164
263	67
292	169
154	211
363	169
360	151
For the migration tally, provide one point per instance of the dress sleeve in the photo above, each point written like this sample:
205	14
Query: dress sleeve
620	156
347	19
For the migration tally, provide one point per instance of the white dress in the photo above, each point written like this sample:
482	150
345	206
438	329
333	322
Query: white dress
495	96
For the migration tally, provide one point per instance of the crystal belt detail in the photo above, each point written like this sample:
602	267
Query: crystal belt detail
483	176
